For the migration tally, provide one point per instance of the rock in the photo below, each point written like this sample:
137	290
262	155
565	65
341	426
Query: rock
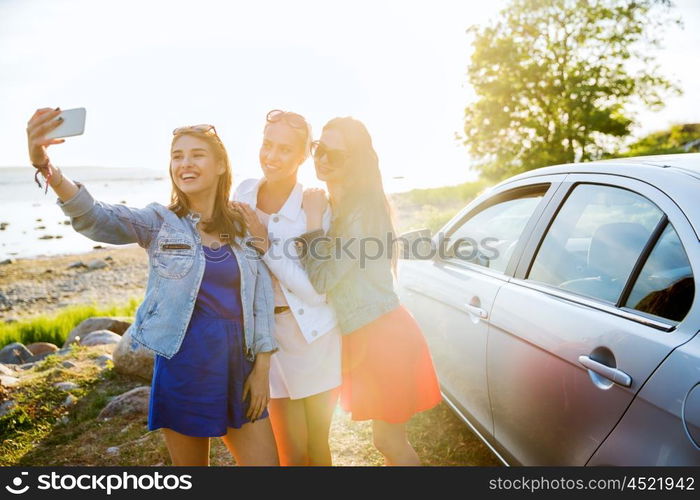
26	366
66	386
68	364
46	237
133	402
116	325
38	220
59	236
42	347
39	357
40	227
104	360
63	420
5	304
6	381
96	264
70	400
77	265
66	222
97	247
8	261
6	407
113	450
100	337
109	257
15	354
63	352
131	358
6	370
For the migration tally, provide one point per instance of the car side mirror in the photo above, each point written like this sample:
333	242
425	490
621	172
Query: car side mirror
416	245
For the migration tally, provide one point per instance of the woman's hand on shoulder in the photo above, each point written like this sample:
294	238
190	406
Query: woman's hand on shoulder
315	203
41	123
256	228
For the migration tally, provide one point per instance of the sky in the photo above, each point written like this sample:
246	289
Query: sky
142	68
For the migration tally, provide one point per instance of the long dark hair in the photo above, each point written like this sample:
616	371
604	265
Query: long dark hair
224	220
363	190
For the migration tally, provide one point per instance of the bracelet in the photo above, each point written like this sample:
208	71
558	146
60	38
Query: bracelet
47	175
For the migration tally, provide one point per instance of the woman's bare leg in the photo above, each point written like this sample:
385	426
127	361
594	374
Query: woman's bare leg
392	442
252	444
288	418
319	413
186	450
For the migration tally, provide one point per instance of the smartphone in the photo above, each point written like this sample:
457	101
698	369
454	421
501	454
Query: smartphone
73	124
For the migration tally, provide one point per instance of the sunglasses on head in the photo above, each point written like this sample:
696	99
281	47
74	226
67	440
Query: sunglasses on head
204	128
293	119
335	157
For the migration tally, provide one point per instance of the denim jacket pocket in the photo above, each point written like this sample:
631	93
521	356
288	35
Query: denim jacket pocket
173	257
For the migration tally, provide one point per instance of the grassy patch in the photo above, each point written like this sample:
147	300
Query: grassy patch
55	329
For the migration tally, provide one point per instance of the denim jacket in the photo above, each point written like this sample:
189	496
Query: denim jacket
176	268
360	290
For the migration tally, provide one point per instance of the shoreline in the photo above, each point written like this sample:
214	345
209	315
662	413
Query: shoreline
32	286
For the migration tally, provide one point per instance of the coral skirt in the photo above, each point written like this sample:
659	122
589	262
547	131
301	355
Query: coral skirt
388	373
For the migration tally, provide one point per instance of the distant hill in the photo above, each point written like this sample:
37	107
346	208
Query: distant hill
678	139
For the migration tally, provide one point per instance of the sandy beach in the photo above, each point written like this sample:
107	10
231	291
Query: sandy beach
43	285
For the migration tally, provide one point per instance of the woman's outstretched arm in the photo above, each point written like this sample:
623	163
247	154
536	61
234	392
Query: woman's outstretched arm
99	221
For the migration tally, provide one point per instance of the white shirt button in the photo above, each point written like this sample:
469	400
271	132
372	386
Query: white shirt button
275	219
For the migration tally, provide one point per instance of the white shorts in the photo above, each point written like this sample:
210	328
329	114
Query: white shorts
300	369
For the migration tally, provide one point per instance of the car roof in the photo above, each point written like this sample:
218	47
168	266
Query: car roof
676	175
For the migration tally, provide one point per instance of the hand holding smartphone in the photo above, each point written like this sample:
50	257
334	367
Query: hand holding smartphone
73	124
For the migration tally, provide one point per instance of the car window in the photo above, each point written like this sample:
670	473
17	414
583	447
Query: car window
665	286
595	241
489	236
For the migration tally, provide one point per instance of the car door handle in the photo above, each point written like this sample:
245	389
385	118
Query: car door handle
477	311
613	374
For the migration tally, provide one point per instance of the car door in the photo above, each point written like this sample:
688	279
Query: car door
566	353
451	295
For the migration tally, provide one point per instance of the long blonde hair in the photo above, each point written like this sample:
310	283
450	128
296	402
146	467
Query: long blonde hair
363	192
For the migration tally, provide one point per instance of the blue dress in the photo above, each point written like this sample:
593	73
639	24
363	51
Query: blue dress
199	391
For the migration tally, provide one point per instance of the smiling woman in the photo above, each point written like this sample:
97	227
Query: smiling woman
207	313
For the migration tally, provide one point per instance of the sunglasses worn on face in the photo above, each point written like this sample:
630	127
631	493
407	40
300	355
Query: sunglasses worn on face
335	157
293	119
204	128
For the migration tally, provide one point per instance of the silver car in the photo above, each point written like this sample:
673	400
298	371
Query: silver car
561	313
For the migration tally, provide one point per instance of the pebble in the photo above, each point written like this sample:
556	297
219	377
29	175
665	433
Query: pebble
68	364
6	407
66	386
8	381
70	400
113	450
96	264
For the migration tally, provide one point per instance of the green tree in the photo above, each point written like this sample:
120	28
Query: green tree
556	80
